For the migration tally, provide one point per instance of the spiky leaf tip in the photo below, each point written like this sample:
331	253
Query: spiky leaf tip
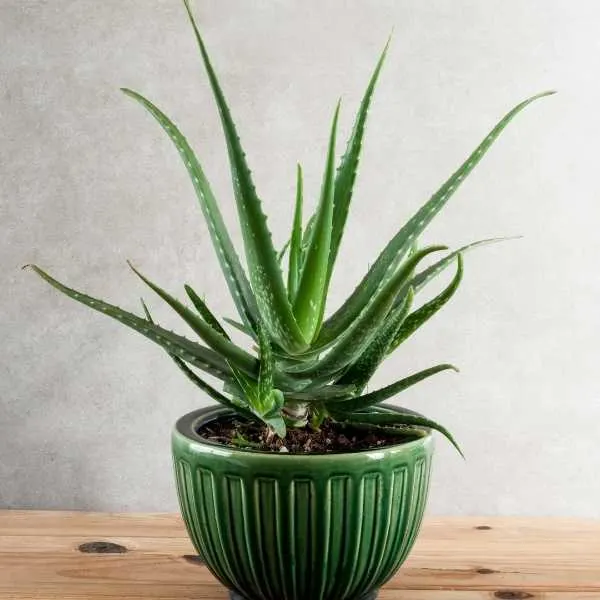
309	301
263	265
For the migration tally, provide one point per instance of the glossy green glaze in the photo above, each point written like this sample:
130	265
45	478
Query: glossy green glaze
300	527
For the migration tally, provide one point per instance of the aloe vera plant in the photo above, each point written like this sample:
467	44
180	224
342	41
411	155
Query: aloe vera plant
300	368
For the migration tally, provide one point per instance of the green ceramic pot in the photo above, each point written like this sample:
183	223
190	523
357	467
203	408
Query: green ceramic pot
299	527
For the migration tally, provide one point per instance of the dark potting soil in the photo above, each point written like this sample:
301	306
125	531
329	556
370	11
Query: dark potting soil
330	438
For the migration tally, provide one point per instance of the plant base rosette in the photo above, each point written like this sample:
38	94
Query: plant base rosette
300	526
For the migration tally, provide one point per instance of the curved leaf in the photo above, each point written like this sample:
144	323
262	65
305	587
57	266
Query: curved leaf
214	339
383	394
241	327
359	334
330	392
425	312
361	371
393	418
212	392
424	277
205	312
199	382
228	259
195	354
281	254
402	241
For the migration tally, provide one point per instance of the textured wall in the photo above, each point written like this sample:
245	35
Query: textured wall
87	180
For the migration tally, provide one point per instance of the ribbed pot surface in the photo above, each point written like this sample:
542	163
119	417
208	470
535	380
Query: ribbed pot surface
300	527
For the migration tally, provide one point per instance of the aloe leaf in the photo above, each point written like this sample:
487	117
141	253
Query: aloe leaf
214	339
240	327
401	242
235	276
424	277
359	334
361	371
310	357
278	352
323	394
281	254
265	273
296	240
232	387
276	402
309	301
198	381
306	237
247	386
393	418
262	399
271	400
147	312
425	312
277	424
212	392
318	414
195	354
265	374
205	312
383	394
420	280
400	258
347	170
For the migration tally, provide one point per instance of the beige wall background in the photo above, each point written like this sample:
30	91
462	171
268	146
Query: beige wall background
88	180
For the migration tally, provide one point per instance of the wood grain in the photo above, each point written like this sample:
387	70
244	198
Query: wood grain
454	559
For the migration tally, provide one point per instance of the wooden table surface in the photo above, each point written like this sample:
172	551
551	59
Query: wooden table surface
454	559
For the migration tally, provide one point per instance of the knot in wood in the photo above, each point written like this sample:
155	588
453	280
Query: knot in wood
193	558
512	595
102	548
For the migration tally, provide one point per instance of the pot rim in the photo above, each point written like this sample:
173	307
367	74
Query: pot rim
185	428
